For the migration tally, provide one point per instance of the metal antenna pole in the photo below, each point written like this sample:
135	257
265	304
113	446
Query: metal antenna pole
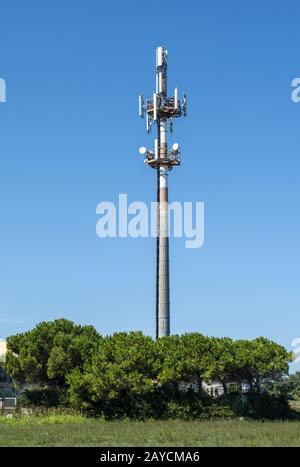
157	254
162	109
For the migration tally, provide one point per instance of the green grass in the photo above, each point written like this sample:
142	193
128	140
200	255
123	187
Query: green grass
69	430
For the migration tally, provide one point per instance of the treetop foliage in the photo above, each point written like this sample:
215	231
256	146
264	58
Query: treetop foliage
97	373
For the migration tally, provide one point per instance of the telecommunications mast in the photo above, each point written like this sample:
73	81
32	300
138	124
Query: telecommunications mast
161	110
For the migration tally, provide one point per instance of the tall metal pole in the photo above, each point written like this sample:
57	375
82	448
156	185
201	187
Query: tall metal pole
157	254
162	109
163	282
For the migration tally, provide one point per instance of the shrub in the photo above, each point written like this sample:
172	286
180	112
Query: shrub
42	397
258	406
192	407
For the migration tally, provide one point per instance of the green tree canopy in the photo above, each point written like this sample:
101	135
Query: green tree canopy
294	381
261	361
47	353
183	358
222	363
122	366
130	374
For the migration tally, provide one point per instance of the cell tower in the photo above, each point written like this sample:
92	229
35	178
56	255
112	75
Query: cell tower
161	110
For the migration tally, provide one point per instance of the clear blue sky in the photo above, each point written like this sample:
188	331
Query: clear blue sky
69	135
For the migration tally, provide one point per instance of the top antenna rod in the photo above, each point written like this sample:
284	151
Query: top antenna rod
161	68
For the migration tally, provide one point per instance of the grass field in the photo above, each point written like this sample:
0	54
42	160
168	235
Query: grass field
76	431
